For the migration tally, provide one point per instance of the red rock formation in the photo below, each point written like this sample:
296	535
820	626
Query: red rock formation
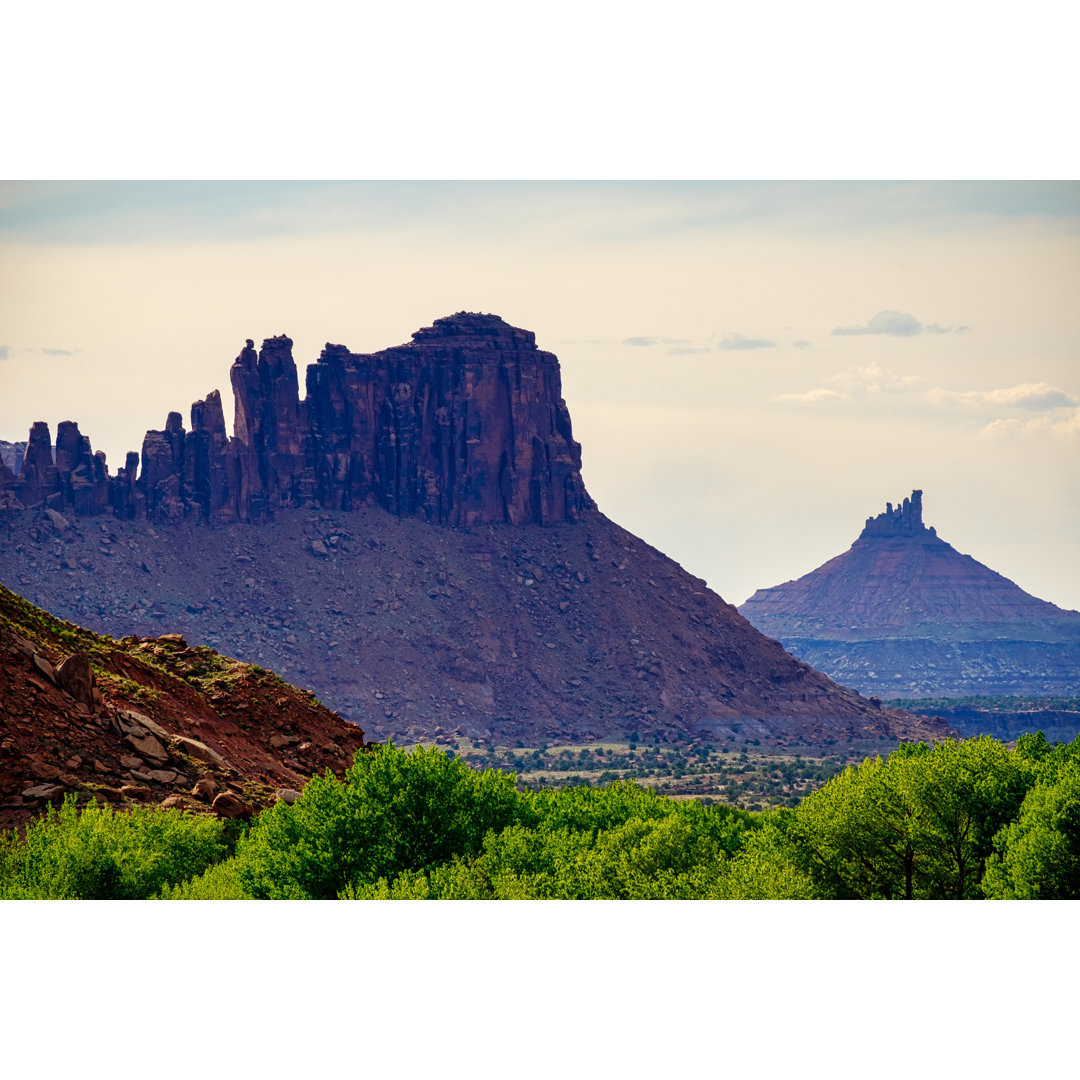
38	478
161	481
77	481
81	474
905	520
206	462
521	624
149	721
464	425
123	491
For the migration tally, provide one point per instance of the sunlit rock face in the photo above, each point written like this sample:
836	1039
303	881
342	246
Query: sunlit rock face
465	425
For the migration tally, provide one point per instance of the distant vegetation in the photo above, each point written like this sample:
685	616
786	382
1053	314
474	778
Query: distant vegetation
1022	703
746	775
963	820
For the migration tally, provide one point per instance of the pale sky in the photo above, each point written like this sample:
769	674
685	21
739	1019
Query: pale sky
752	368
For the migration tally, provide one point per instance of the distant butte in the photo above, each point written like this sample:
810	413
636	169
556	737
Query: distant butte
904	614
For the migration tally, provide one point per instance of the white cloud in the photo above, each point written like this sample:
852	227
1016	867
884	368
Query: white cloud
897	324
812	397
1067	427
873	379
893	323
686	350
737	341
801	344
5	351
856	384
933	328
58	352
646	341
1038	397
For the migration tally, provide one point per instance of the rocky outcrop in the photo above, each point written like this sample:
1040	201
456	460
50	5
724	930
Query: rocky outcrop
904	614
75	676
38	479
205	728
464	425
205	464
75	480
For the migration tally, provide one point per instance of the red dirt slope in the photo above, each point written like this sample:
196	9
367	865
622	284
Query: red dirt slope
149	721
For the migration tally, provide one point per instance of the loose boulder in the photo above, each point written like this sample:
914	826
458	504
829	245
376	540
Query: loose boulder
204	789
202	752
228	805
75	676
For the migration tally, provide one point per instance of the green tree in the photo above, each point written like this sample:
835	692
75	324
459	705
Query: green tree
1039	854
219	882
394	812
769	867
965	792
920	825
855	834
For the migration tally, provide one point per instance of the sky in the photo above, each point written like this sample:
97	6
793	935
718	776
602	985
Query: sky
752	368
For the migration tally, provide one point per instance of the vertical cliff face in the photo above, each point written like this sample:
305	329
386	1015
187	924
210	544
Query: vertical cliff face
38	477
207	466
162	478
463	425
11	456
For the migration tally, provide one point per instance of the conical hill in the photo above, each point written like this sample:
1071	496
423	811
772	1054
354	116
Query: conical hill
904	614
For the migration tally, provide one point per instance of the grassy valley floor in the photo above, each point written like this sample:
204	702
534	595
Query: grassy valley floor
748	776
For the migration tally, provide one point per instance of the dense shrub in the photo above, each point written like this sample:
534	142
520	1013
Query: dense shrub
767	868
102	854
220	882
619	842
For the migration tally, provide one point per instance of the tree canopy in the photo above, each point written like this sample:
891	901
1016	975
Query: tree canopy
960	820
